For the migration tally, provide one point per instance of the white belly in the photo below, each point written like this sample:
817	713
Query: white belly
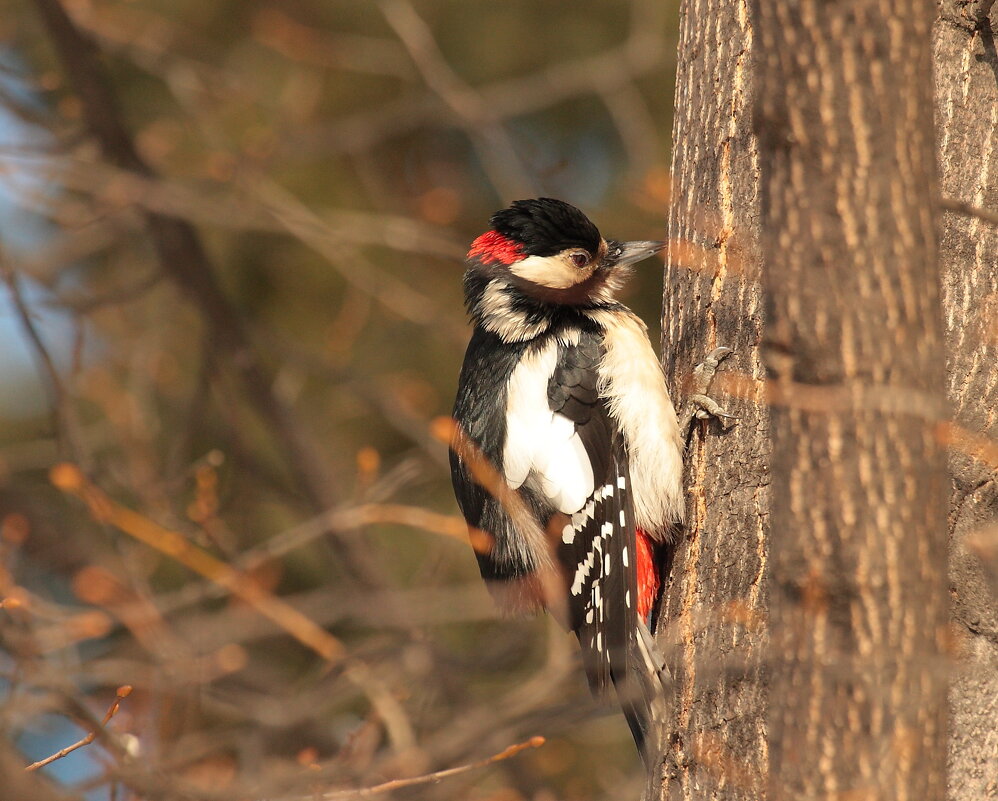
631	379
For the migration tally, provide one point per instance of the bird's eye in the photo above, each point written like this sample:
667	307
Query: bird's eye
580	259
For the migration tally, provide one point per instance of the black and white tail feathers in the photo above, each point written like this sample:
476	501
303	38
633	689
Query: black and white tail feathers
598	552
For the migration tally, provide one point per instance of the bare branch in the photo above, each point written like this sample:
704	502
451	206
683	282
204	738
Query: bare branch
68	428
69	479
121	693
398	784
968	210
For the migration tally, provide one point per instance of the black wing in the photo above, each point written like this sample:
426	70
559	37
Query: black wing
597	546
479	412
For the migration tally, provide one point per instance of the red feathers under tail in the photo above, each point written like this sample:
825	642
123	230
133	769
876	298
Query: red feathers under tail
648	578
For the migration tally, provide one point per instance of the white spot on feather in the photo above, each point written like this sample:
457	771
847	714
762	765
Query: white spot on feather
582	571
579	519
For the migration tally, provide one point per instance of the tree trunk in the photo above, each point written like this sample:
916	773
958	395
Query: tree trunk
713	624
854	354
712	627
966	68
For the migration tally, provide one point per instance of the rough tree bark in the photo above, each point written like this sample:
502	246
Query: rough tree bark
966	81
712	626
854	354
714	617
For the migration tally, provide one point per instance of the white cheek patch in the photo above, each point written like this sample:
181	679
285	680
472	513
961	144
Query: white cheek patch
541	445
554	272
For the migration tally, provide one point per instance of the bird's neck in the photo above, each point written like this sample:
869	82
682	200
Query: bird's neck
502	308
497	306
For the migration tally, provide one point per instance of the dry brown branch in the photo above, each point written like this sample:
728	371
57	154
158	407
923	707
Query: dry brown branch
398	784
299	221
352	518
879	398
446	430
21	786
121	693
969	210
505	99
68	478
252	209
609	74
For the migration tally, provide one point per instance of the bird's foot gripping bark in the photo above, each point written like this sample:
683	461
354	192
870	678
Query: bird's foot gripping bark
700	405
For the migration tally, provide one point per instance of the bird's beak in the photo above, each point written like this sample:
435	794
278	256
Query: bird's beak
620	254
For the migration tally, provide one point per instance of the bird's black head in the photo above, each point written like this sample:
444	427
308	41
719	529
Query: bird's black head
547	251
545	226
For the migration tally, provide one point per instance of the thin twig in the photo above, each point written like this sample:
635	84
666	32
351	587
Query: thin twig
69	479
304	44
67	424
302	223
250	210
881	398
352	518
505	98
53	381
122	692
968	210
448	431
398	784
546	585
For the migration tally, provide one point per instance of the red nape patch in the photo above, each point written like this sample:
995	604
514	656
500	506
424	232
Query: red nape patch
648	579
493	246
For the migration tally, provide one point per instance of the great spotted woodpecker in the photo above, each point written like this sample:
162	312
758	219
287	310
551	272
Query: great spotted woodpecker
563	400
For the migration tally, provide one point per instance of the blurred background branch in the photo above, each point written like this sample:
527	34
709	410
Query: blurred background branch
232	239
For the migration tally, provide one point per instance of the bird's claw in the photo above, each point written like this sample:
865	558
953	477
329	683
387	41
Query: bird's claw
707	407
709	365
701	405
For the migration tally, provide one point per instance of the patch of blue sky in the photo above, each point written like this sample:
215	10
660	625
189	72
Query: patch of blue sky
23	232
